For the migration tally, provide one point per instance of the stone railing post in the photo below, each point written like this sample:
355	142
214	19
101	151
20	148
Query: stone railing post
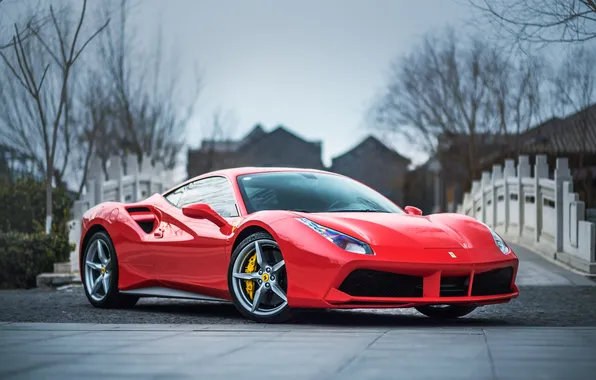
158	172
146	173
562	175
497	174
132	169
523	171
486	182
540	171
115	173
508	172
476	187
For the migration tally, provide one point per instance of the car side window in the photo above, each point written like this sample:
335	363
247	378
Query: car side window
217	192
174	196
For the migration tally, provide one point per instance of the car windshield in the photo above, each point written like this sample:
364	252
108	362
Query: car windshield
310	192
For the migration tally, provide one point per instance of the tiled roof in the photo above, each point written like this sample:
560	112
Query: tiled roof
219	145
376	144
573	134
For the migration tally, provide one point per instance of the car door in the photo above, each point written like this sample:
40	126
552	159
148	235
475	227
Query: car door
192	252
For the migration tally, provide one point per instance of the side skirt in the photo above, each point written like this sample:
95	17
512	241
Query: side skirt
158	291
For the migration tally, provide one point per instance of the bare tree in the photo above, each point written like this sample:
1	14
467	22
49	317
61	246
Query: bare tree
542	21
517	87
439	94
95	115
218	132
42	66
141	106
575	93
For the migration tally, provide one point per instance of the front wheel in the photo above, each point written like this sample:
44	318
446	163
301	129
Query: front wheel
445	311
100	274
257	280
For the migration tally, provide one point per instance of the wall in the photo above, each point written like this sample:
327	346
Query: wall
528	207
125	182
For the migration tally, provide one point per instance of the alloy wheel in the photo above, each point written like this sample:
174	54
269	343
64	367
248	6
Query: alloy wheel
98	270
259	278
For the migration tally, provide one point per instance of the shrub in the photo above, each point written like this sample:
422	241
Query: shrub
25	250
24	256
23	207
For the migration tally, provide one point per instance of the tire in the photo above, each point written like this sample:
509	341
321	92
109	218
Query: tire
447	312
101	299
240	297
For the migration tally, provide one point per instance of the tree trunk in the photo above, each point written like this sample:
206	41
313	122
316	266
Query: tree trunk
48	200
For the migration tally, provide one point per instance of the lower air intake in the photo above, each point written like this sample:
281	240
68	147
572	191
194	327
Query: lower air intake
493	282
454	286
372	283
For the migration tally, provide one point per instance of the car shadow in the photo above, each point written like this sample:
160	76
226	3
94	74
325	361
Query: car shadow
227	313
370	318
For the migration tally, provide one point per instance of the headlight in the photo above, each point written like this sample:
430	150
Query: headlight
499	242
341	240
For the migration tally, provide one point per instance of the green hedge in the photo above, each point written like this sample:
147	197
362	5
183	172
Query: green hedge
24	256
25	250
23	207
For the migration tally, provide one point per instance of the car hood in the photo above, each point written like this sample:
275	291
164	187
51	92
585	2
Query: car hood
450	231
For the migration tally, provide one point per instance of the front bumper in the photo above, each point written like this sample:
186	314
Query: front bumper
364	288
321	275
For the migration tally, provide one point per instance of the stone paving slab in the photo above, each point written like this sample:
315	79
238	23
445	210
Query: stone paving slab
49	351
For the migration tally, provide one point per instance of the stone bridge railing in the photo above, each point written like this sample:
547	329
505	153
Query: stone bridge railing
529	208
126	182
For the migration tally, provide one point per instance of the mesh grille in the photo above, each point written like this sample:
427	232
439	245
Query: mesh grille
493	282
372	283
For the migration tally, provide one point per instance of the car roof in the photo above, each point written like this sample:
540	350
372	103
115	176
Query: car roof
235	172
232	173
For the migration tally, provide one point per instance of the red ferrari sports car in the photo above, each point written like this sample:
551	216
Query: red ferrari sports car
272	240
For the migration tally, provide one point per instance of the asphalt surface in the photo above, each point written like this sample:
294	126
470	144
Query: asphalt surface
549	296
536	306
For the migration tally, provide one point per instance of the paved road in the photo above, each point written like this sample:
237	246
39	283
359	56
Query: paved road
549	332
83	351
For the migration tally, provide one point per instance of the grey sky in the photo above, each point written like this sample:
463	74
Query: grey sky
313	66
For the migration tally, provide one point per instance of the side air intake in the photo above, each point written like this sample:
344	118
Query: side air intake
144	218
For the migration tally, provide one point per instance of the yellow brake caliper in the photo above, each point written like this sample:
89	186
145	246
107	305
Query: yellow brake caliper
251	267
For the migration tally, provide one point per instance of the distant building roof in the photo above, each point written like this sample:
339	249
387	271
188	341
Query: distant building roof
372	143
257	148
574	134
219	145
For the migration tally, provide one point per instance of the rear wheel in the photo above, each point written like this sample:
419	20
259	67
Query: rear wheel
445	311
257	280
100	274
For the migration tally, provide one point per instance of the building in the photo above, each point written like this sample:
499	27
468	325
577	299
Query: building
370	162
573	136
279	147
376	165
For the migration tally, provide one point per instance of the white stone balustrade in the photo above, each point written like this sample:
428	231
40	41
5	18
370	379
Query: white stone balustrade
124	183
536	211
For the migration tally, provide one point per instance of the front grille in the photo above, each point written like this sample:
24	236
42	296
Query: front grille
372	283
456	286
493	282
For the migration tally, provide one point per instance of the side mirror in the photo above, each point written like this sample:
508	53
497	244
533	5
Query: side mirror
411	210
204	211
